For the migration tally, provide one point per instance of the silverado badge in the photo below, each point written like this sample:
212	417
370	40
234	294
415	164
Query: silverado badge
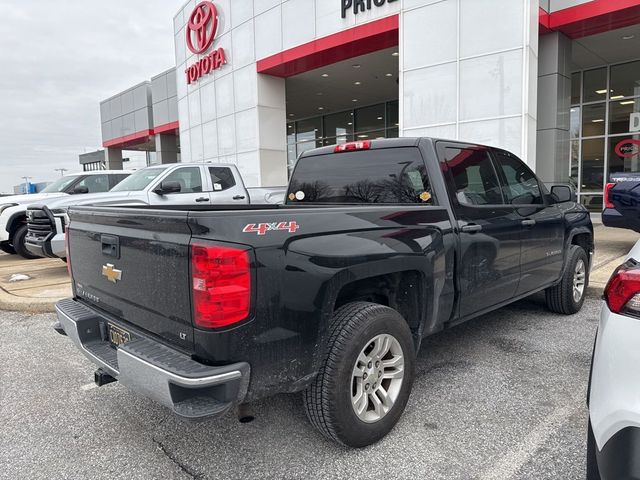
112	274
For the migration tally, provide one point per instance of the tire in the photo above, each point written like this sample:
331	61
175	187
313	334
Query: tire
560	298
18	243
7	248
355	329
592	464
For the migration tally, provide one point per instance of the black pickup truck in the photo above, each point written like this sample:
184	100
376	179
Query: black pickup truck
379	244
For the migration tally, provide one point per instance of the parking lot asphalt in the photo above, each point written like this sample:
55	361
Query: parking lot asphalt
502	396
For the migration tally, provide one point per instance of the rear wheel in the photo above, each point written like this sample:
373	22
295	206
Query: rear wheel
366	377
18	243
568	296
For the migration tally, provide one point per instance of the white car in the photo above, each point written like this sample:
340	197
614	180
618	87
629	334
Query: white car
613	447
13	208
171	184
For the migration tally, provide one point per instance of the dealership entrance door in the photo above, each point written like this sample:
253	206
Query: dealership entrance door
355	99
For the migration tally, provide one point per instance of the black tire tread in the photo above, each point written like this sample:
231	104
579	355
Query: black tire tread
559	298
18	243
341	331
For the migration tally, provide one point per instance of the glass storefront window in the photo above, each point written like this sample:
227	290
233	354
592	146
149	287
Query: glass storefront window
291	133
594	85
624	154
573	167
392	115
592	165
309	129
338	125
625	80
620	115
575	88
593	120
373	135
370	118
574	122
373	122
291	156
592	202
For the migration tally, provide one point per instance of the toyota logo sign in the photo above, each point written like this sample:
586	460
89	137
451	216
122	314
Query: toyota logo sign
203	24
201	30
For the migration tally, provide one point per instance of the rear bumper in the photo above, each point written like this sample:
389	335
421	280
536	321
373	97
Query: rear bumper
613	218
173	379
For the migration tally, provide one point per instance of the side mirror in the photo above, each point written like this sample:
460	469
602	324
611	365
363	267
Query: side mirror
80	189
168	187
562	193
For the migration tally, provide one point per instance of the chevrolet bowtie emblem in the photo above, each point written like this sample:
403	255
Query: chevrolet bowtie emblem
112	274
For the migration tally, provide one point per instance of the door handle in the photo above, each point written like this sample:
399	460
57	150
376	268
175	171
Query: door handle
239	197
471	228
528	222
202	199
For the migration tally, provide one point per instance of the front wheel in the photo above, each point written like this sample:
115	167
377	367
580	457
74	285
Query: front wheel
568	296
366	376
19	245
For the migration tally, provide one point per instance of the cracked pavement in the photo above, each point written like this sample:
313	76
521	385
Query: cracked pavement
502	396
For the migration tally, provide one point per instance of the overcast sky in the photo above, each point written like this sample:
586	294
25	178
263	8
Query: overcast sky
58	60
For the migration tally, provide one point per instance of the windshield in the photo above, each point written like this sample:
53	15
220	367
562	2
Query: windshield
139	180
60	184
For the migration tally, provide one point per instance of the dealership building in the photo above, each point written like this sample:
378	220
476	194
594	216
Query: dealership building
257	82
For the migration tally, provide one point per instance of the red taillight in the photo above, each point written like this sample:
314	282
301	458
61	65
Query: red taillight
607	201
352	146
66	250
623	289
221	283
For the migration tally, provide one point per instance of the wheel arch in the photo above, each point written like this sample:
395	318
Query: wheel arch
17	219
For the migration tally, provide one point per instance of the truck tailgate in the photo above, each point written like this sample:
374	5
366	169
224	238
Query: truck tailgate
124	269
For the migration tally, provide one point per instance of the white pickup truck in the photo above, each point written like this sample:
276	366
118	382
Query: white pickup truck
174	184
13	208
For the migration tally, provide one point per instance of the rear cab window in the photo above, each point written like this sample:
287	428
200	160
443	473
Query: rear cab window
376	176
221	178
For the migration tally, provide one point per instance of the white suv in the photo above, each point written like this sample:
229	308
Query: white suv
13	209
613	448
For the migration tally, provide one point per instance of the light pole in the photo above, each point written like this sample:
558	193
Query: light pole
61	170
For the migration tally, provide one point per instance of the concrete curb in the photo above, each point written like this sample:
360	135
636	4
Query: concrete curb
26	304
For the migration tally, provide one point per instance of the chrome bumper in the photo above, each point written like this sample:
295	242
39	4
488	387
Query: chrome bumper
171	378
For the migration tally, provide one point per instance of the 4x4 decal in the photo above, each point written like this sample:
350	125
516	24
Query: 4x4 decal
263	228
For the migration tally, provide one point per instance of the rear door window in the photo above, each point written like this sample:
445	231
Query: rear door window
520	185
389	175
189	178
474	177
221	178
116	178
95	183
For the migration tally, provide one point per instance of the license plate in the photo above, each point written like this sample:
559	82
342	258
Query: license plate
117	335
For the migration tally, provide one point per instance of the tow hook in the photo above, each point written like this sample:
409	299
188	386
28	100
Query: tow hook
245	413
103	378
